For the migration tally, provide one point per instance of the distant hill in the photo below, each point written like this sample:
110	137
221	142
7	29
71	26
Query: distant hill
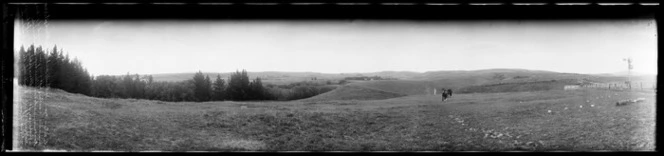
268	77
435	79
626	73
405	75
392	74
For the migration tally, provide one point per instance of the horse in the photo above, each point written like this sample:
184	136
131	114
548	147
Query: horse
444	94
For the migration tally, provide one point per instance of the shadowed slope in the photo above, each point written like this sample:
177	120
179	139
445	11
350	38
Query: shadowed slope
407	87
60	120
352	92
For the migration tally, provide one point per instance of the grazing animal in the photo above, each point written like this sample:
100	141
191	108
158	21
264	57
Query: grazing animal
444	93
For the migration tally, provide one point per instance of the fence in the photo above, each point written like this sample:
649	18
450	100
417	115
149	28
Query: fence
571	87
620	86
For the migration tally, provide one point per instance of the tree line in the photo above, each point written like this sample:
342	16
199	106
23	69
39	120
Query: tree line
199	88
368	78
37	68
56	70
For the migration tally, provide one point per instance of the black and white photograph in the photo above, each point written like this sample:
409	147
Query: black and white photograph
334	85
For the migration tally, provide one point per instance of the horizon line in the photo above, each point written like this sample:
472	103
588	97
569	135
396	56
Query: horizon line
611	73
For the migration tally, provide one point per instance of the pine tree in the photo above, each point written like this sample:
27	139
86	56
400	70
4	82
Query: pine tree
127	86
65	73
234	89
22	71
218	89
138	86
244	83
53	68
76	77
241	86
207	94
85	85
30	66
40	67
238	86
201	87
257	90
150	80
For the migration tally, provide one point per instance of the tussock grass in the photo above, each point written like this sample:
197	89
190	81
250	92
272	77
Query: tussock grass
466	122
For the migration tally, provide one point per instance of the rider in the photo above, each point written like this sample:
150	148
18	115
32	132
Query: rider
444	93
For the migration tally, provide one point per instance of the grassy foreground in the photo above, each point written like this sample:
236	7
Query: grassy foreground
581	120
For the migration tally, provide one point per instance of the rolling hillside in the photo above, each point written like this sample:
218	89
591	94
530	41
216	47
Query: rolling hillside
582	120
408	87
353	92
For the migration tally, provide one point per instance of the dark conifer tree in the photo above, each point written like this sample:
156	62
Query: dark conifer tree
65	73
150	79
201	87
85	85
77	77
53	68
139	87
218	89
30	66
238	86
22	68
39	67
127	86
257	90
207	94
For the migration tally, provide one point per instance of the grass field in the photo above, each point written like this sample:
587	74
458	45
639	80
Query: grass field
352	92
400	86
580	120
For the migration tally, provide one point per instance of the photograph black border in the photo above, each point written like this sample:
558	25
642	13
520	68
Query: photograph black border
409	10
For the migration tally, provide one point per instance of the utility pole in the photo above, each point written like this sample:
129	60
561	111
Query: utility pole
629	71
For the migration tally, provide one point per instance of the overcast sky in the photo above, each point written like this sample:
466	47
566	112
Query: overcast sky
151	47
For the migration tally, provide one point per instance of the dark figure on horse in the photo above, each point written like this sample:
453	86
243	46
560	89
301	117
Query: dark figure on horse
446	93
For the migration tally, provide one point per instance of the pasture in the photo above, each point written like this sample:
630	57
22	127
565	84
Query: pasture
555	120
